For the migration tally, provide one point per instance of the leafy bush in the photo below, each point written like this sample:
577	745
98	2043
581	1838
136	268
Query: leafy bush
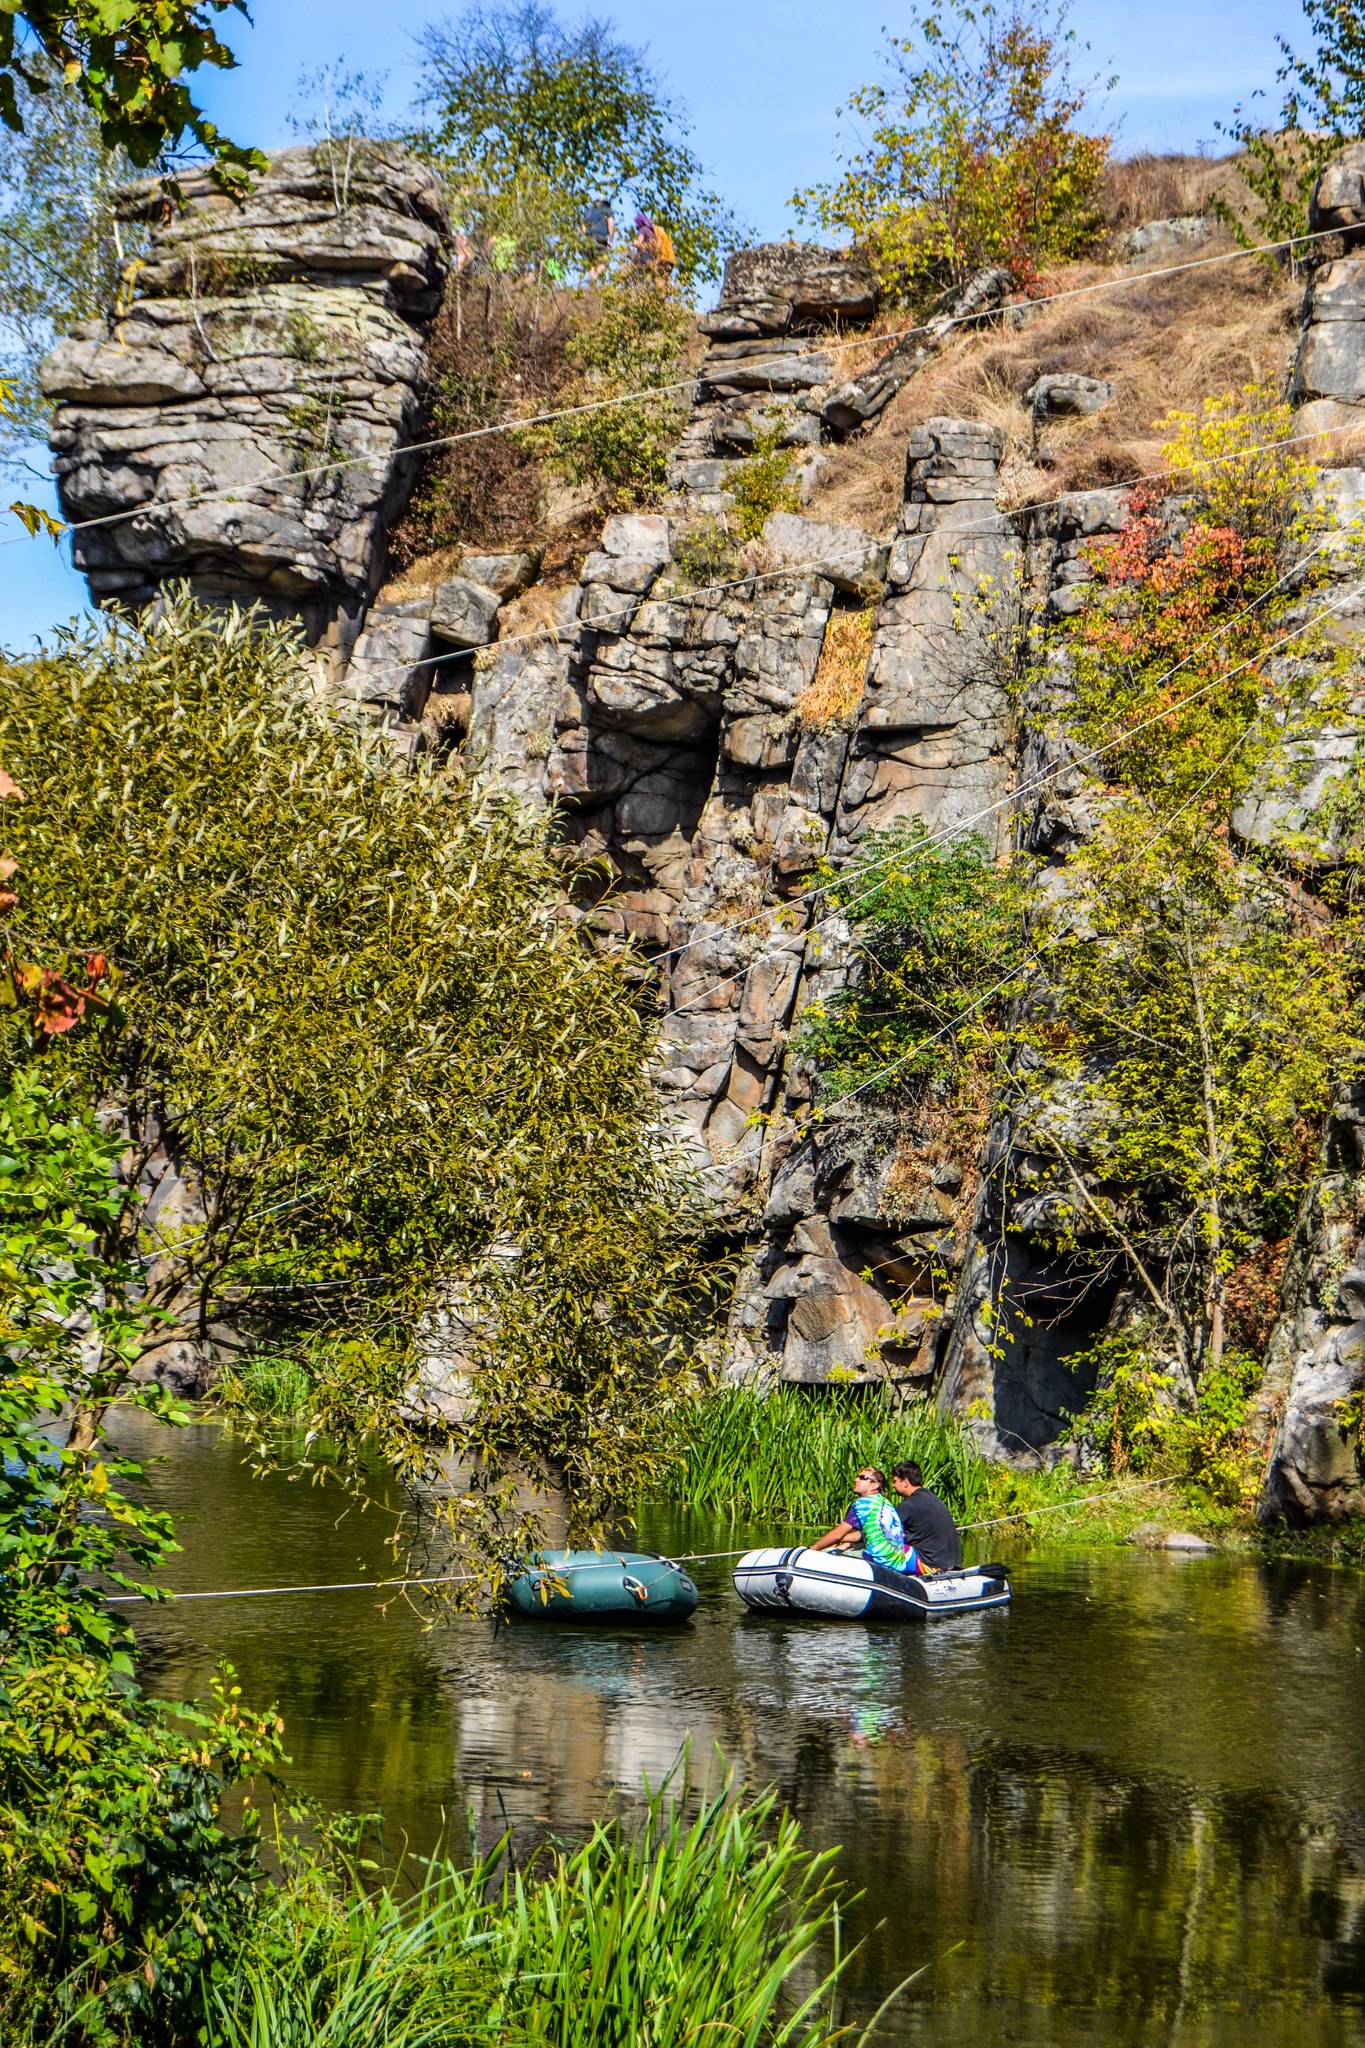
968	153
121	1890
636	341
706	553
934	925
1136	1422
759	486
1323	108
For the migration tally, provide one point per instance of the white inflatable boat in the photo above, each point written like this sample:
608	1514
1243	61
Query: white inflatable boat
848	1588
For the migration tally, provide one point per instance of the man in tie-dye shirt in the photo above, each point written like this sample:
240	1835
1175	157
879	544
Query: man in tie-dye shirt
873	1517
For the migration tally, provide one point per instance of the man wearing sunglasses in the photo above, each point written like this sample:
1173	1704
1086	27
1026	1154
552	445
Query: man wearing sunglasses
873	1517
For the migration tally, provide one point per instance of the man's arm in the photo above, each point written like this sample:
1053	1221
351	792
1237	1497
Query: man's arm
842	1532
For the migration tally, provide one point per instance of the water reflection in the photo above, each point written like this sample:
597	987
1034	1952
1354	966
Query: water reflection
1135	1800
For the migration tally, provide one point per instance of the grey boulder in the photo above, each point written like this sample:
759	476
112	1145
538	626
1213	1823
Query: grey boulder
465	613
788	288
1067	396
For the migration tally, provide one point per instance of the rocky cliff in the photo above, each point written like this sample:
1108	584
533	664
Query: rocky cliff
239	421
710	728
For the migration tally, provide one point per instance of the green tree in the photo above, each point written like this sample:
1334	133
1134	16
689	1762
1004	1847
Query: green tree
348	1007
1192	1010
531	121
1323	108
968	152
62	250
128	64
935	926
1188	1024
120	1887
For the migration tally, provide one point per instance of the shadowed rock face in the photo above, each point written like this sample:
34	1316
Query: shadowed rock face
264	342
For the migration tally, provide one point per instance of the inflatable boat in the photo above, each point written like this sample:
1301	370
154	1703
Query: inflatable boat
601	1585
850	1588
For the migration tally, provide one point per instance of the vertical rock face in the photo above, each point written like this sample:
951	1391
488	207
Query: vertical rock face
678	728
262	342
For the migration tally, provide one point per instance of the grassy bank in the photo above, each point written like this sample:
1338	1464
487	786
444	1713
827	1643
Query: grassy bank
788	1457
793	1453
647	1936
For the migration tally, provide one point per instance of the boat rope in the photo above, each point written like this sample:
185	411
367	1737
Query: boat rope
558	1571
980	317
1083	1501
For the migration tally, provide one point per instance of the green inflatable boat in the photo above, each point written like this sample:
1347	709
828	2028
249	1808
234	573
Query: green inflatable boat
601	1585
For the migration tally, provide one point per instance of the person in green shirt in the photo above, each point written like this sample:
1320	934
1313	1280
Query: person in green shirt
873	1517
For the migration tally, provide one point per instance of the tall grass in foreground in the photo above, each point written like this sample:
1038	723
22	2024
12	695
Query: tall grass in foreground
666	1934
794	1452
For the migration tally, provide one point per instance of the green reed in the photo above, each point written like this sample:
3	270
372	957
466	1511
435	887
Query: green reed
793	1452
662	1932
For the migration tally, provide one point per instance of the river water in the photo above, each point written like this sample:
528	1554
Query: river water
1130	1809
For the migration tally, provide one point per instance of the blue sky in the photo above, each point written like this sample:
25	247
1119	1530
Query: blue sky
761	80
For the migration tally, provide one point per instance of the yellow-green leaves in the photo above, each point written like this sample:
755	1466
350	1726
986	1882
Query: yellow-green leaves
345	993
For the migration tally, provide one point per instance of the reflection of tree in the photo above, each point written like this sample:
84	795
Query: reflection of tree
1113	1896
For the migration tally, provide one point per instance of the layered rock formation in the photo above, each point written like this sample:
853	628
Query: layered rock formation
677	705
238	423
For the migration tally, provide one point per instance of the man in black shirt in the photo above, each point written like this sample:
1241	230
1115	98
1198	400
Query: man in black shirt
926	1520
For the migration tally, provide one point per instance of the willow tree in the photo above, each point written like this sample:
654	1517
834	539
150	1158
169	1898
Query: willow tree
349	1018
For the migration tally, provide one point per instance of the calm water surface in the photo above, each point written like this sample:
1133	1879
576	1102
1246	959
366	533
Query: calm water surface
1135	1802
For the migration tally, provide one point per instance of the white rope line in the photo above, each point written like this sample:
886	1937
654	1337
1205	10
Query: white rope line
287	476
167	1598
922	848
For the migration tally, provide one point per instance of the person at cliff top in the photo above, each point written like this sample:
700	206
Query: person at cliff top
653	246
873	1517
599	230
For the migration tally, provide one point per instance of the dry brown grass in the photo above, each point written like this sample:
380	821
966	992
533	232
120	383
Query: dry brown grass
1145	187
835	690
1164	342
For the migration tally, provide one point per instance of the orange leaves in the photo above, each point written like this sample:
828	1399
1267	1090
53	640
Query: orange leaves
55	1004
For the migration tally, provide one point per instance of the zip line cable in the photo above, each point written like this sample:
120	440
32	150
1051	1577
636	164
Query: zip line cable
908	856
169	1598
287	476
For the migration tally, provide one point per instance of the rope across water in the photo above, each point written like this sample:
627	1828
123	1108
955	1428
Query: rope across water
682	1557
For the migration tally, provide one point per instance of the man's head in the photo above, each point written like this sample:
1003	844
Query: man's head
869	1481
907	1478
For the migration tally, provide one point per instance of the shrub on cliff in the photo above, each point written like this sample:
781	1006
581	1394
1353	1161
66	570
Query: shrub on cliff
348	1007
969	152
1323	108
530	122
